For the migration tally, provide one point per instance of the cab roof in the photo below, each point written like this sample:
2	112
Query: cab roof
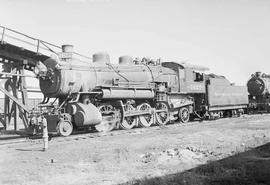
184	65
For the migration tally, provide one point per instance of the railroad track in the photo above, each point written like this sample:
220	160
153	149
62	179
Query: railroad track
84	135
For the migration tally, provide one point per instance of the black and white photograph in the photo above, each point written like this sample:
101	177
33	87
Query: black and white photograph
135	92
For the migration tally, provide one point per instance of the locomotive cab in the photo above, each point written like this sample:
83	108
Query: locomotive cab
191	77
191	88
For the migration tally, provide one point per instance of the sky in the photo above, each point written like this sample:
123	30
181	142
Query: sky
231	37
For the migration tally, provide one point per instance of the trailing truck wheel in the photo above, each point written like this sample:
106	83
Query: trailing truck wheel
148	119
64	128
162	114
183	115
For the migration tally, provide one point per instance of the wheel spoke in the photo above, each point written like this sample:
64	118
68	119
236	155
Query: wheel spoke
64	128
162	118
109	118
184	114
128	122
145	120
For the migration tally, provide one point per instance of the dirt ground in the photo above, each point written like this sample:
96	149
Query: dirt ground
130	156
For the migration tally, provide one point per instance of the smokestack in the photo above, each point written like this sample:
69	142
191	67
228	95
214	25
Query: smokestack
67	48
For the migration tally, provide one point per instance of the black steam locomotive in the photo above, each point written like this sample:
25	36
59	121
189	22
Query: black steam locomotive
259	95
134	93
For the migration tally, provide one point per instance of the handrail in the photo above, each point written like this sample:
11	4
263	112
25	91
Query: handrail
5	29
39	42
26	42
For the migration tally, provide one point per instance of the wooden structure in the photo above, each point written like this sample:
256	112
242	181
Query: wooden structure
18	53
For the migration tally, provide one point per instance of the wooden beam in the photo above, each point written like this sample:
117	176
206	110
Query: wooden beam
3	121
14	99
6	112
23	116
17	57
23	75
5	82
13	110
22	85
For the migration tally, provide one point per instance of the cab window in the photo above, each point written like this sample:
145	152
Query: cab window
198	77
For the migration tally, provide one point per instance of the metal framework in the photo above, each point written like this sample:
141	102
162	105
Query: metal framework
15	59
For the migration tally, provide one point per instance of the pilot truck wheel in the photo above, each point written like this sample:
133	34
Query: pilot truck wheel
64	128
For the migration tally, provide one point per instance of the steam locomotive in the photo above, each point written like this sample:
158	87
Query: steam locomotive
133	93
259	95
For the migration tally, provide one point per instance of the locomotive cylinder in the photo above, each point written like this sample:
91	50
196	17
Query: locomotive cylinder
84	114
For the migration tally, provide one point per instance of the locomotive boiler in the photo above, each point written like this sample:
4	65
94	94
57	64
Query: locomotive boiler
259	91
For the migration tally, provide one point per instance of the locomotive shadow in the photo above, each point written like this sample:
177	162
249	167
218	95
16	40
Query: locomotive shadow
250	167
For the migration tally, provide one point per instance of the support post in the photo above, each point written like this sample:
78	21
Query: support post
12	84
22	85
13	110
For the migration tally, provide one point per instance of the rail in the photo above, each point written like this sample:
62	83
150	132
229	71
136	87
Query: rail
37	45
